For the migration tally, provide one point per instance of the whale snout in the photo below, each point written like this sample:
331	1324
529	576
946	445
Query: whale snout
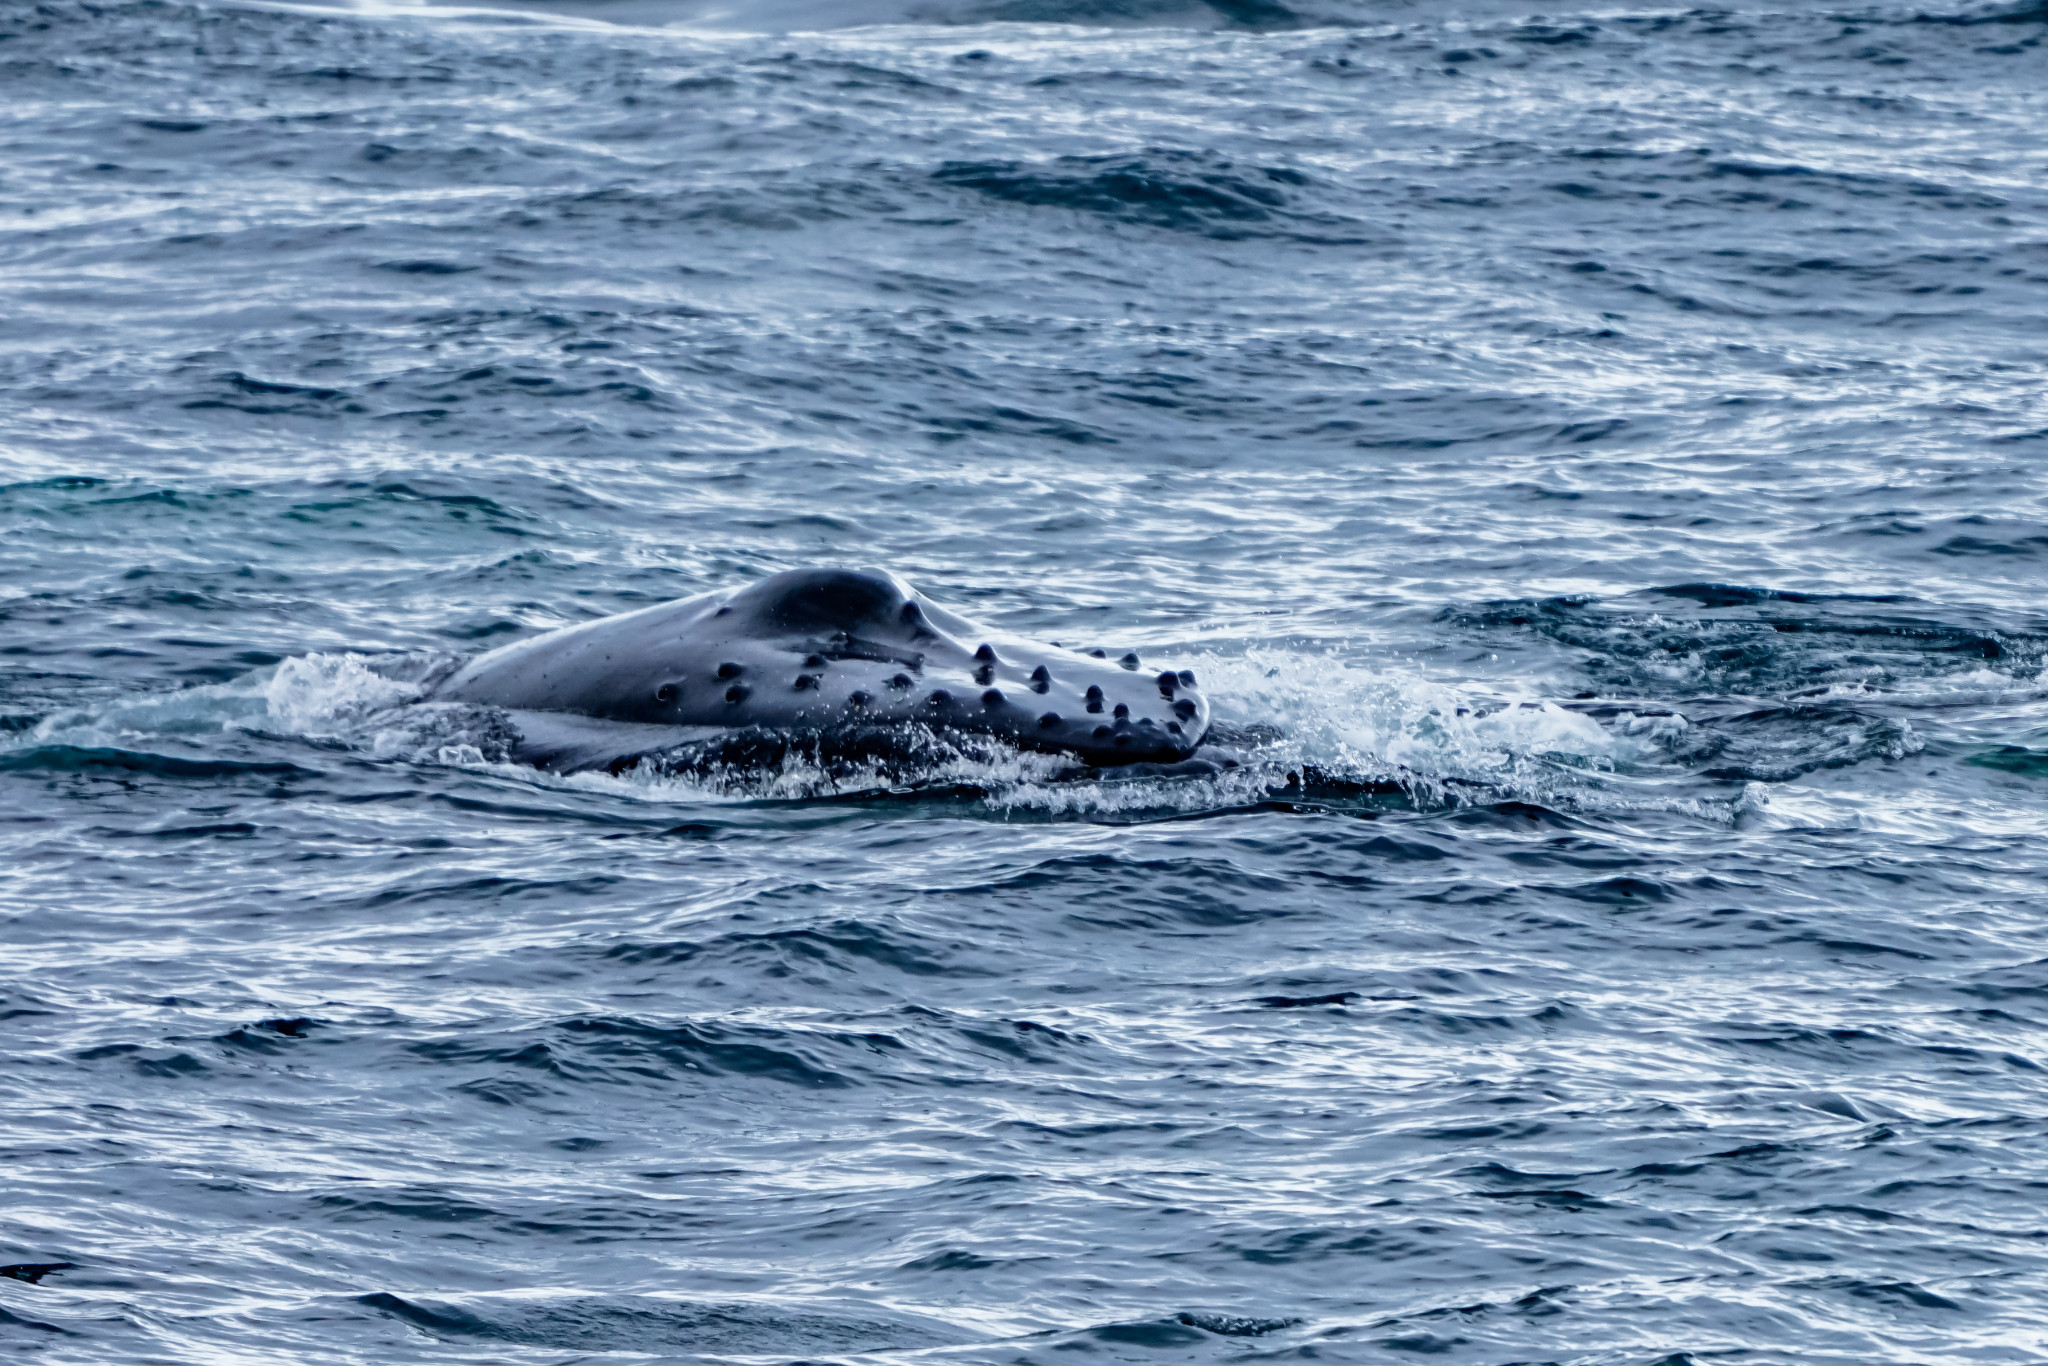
1118	742
1106	726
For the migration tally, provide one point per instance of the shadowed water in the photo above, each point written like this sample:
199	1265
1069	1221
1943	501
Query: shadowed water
1607	448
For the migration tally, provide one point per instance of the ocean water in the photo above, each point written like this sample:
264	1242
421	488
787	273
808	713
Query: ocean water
1606	447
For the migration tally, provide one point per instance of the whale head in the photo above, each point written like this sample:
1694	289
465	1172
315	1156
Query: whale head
825	651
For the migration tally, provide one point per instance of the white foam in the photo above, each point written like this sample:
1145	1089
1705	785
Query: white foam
1442	742
328	696
318	697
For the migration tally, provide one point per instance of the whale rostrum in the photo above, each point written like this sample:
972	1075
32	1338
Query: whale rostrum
818	652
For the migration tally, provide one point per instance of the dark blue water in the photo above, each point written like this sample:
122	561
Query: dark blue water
1610	447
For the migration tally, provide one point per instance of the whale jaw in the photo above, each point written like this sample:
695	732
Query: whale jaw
828	655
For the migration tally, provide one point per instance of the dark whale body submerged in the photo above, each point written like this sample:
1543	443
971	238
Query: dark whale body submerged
853	661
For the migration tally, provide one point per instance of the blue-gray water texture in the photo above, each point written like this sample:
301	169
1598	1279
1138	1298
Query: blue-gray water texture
1608	447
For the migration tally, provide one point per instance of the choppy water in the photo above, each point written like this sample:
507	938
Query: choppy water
1610	445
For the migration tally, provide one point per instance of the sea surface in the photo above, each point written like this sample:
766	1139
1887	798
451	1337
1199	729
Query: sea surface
1607	447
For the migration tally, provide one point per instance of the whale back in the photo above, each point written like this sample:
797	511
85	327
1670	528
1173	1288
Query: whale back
814	651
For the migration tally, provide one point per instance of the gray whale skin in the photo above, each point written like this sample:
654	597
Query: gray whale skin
830	655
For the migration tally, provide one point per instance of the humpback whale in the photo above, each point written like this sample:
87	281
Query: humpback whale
848	659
